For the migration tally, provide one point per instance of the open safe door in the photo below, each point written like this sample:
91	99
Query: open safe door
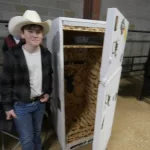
113	50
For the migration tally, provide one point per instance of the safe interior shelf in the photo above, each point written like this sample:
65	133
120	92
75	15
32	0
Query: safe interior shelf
83	29
82	46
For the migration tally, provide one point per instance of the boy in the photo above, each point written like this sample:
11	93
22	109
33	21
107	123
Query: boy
27	78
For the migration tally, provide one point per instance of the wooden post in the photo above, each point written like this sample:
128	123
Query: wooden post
92	9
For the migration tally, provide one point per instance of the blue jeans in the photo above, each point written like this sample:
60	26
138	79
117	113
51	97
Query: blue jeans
28	124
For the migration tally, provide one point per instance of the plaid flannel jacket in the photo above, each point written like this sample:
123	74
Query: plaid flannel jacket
15	84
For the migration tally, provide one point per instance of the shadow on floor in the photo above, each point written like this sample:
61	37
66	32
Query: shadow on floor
131	86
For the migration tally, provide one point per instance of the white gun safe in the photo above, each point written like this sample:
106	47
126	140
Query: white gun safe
87	57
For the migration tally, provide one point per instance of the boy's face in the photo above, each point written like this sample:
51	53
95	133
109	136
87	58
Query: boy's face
33	37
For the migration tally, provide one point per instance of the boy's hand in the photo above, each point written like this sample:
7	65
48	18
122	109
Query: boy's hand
44	98
10	114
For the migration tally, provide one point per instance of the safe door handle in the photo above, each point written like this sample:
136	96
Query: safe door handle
103	123
115	48
108	98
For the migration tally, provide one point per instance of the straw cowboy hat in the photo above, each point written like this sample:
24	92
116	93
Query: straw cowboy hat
29	17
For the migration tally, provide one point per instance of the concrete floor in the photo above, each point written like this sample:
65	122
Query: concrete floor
131	128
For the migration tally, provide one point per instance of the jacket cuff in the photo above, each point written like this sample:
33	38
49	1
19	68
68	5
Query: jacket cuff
8	107
49	92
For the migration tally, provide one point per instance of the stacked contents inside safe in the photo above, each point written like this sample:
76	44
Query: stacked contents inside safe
82	60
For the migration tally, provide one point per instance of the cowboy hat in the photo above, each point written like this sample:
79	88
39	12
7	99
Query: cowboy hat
29	17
